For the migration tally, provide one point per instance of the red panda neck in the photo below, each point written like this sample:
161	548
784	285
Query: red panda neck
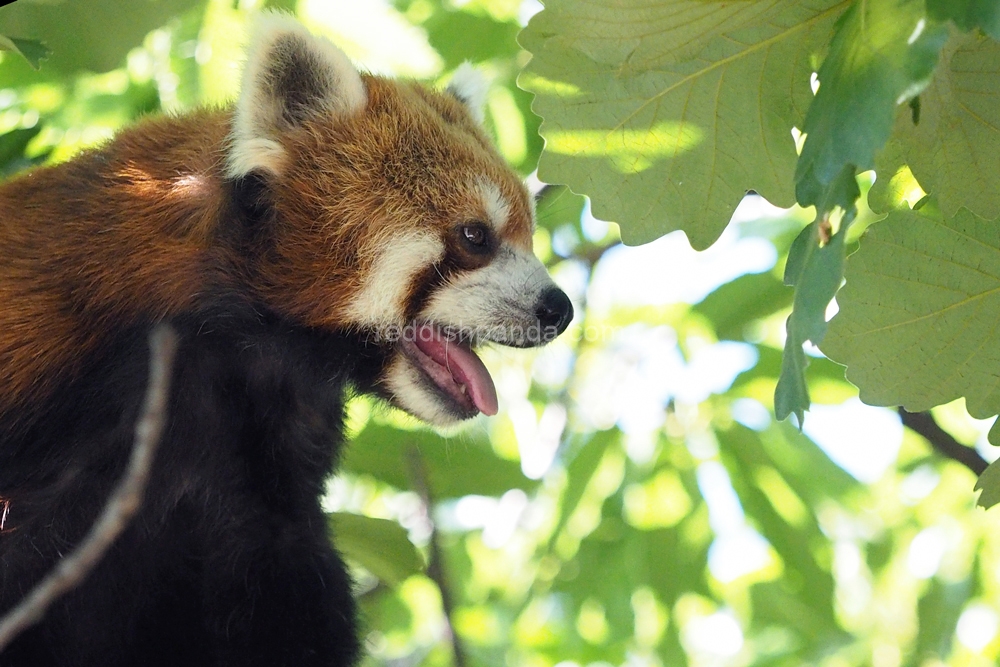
116	236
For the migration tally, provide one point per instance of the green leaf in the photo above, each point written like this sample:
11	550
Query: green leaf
815	267
12	147
791	394
806	467
989	484
785	603
894	179
13	143
994	433
610	563
579	471
938	612
671	650
616	558
458	466
30	49
805	608
666	113
917	325
736	304
955	150
386	610
379	545
289	6
558	206
968	14
459	36
744	455
92	35
883	53
769	366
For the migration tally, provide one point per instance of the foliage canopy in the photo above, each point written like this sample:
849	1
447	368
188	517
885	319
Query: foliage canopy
894	71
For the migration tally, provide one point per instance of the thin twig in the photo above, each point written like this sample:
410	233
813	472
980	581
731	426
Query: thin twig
923	423
435	569
122	505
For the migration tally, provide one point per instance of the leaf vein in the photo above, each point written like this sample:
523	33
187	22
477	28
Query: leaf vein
729	59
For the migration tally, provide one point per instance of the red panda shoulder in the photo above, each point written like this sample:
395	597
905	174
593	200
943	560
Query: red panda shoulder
120	233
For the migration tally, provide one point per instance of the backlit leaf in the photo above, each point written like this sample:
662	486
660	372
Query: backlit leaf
917	325
744	455
815	267
92	35
460	36
989	484
954	152
12	147
895	186
968	14
938	612
580	470
666	113
379	545
736	304
383	452
31	49
883	53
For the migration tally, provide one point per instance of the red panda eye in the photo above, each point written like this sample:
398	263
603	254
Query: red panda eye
476	236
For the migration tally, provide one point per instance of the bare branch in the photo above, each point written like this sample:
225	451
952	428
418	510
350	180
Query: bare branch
435	569
942	441
122	505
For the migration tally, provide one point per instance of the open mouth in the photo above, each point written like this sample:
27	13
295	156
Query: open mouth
452	368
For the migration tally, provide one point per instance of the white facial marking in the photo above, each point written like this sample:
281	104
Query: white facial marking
381	302
497	208
497	301
469	85
406	385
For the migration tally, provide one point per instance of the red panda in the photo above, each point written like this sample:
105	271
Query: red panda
333	232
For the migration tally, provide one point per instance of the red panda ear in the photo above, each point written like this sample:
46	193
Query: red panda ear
470	86
291	75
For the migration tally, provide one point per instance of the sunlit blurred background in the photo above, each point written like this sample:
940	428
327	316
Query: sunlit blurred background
634	503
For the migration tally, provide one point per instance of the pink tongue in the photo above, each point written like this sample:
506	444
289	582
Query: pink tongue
466	368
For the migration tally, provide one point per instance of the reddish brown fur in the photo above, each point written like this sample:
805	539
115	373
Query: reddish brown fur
103	240
129	231
371	193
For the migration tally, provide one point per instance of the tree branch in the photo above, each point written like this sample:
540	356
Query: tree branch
435	569
923	424
121	506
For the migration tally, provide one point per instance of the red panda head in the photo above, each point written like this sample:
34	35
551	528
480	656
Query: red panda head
389	214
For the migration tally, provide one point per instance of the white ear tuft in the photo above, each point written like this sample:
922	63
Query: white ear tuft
470	86
291	75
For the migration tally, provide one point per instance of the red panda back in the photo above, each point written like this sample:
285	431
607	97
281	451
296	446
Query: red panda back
119	233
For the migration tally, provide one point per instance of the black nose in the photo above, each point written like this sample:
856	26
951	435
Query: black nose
554	313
